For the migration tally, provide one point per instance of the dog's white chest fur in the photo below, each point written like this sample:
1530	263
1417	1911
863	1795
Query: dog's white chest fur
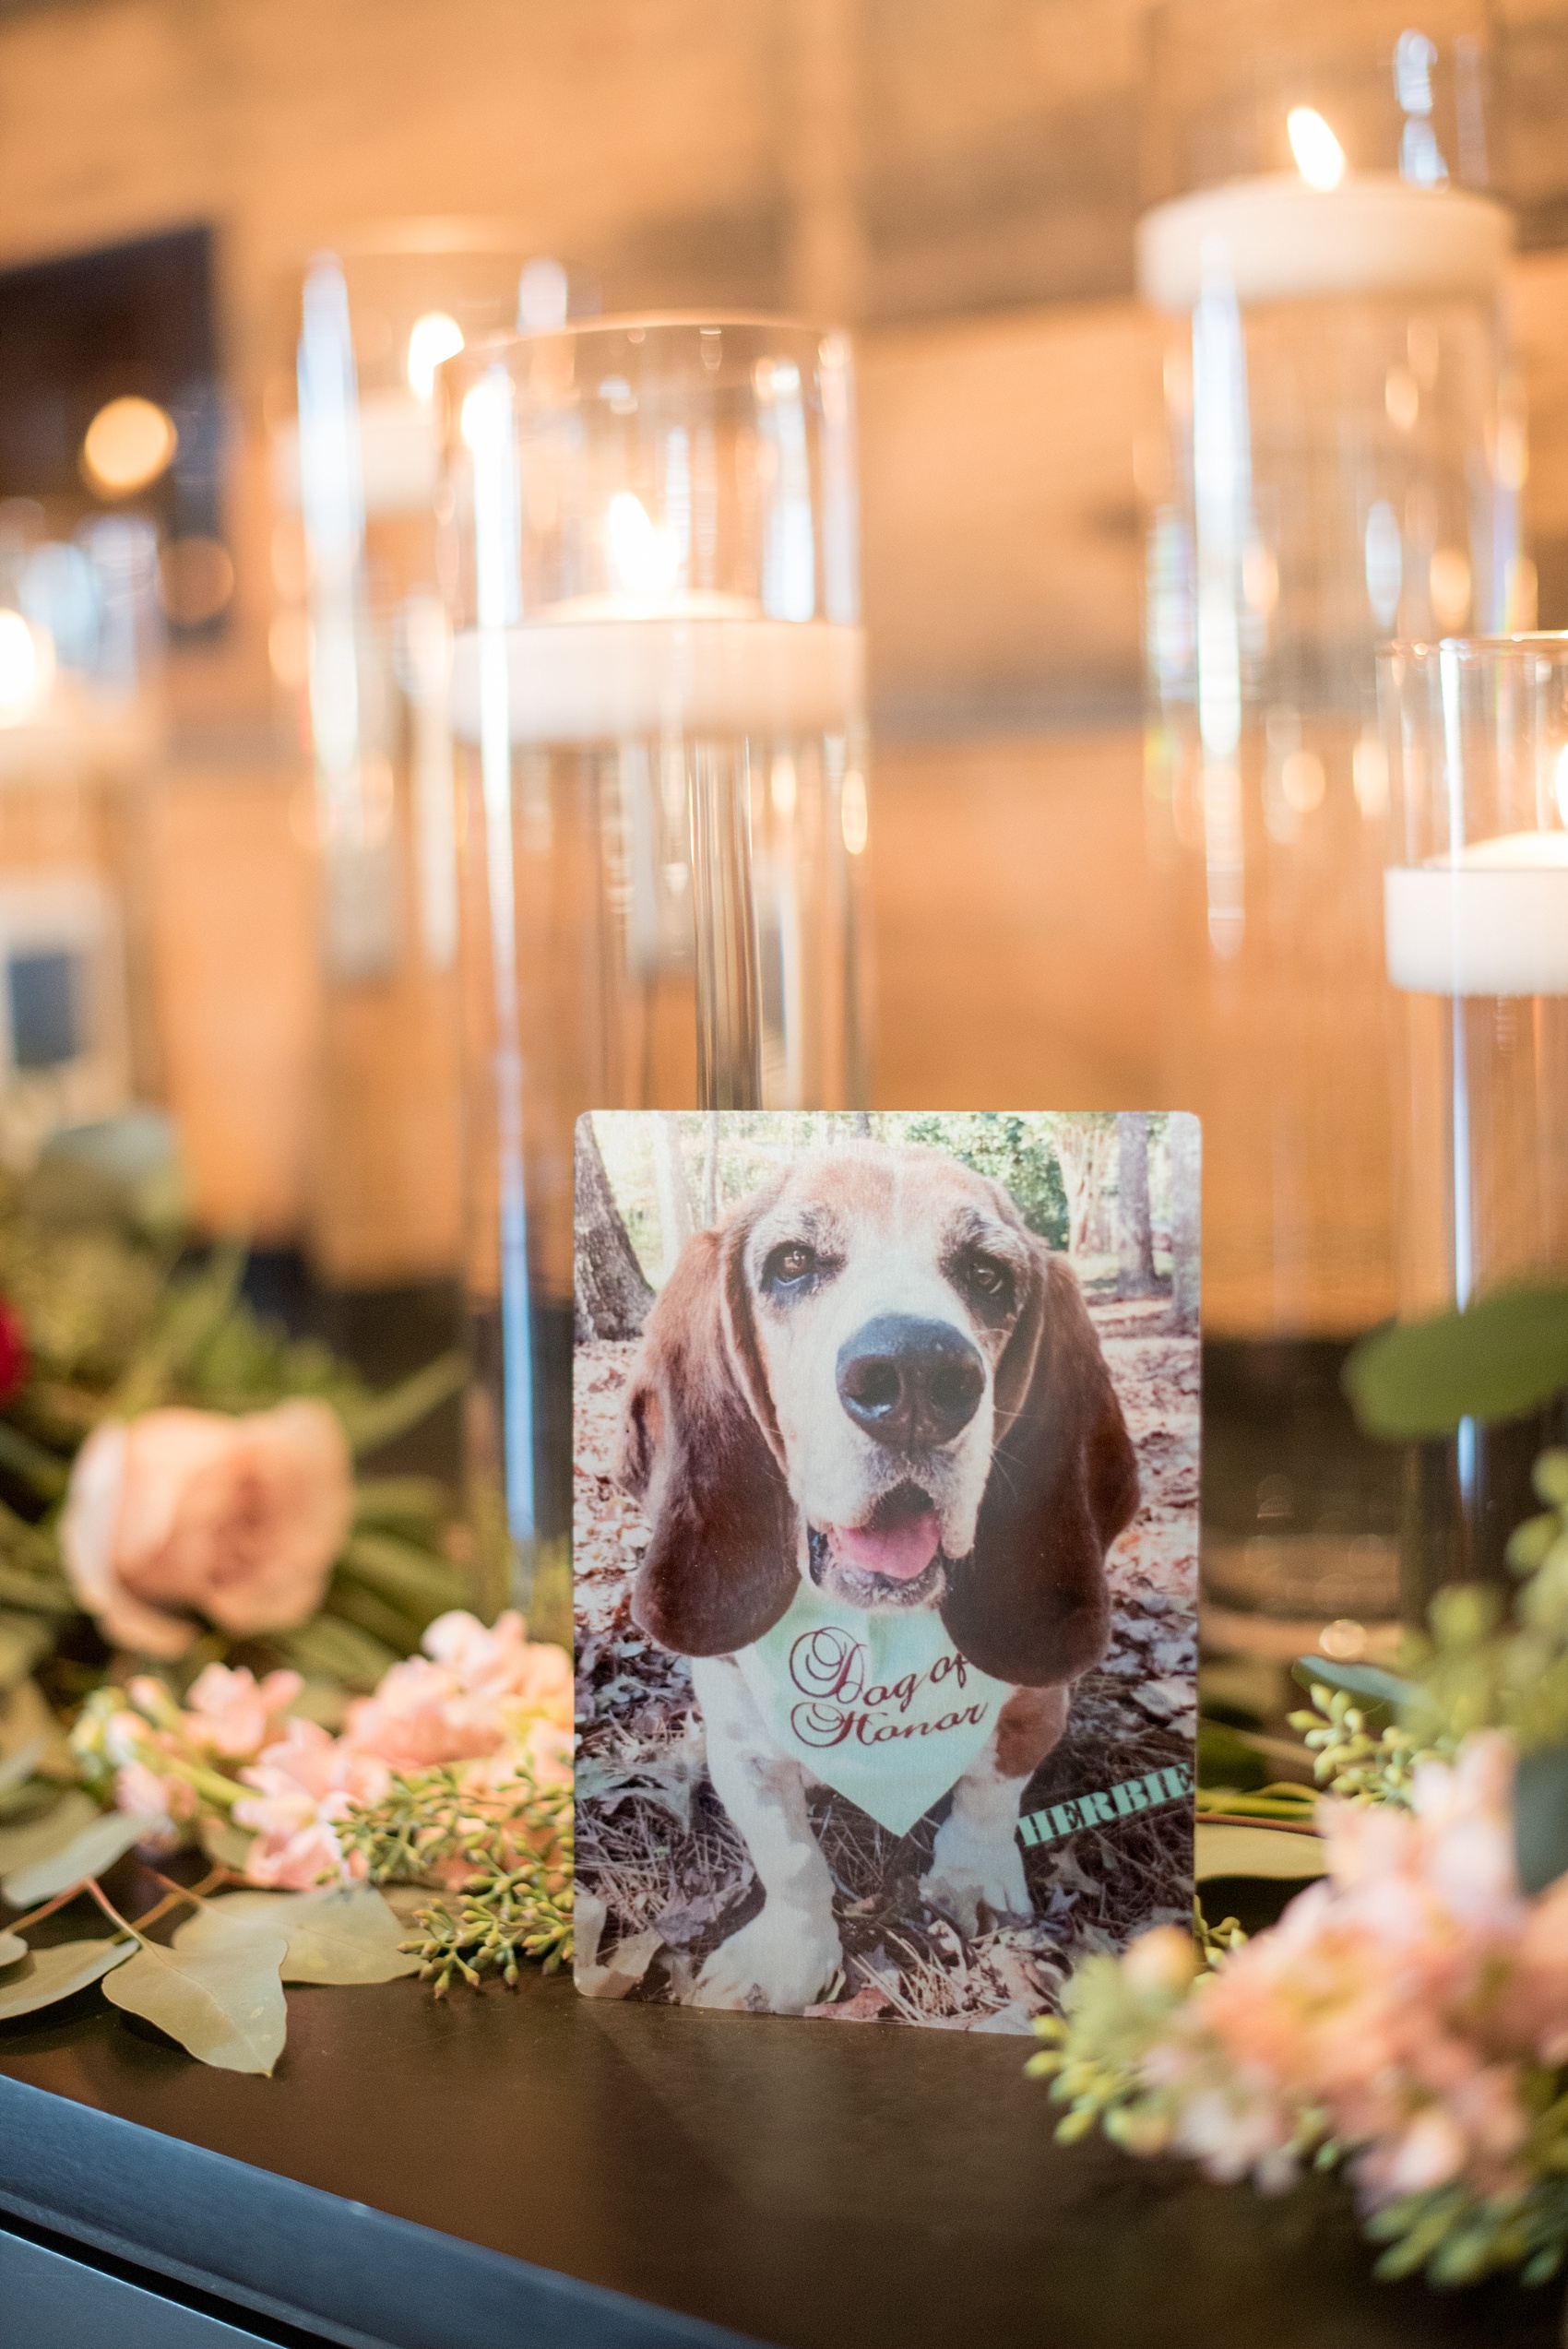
879	1704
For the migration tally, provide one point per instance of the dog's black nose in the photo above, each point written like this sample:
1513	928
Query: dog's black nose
908	1383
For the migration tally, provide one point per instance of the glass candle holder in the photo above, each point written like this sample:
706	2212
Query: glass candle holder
361	640
1477	928
656	694
1345	454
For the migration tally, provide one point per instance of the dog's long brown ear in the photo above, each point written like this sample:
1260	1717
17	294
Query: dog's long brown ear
1030	1602
701	1448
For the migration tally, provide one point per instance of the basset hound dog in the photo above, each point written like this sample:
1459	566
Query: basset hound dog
882	1461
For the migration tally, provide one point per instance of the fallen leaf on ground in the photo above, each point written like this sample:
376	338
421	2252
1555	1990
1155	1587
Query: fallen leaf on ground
626	1964
866	2006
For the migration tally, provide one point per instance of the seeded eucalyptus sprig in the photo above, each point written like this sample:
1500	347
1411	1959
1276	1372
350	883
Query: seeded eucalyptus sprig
517	1839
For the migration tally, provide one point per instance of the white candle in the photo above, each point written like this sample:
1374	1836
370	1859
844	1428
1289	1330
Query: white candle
608	668
1274	238
1492	922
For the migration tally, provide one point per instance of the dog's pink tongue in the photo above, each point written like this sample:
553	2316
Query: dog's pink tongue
900	1552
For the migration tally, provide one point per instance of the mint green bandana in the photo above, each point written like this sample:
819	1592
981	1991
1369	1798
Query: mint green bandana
879	1705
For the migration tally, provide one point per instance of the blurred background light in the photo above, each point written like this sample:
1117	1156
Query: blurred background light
195	579
433	338
129	444
27	664
541	296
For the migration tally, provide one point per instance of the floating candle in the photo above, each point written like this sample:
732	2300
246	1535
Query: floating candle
601	671
1274	238
1492	922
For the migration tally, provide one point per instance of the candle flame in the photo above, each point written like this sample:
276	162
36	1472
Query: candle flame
433	338
645	559
1320	159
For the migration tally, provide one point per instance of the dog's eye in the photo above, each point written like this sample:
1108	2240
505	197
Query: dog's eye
989	1283
790	1264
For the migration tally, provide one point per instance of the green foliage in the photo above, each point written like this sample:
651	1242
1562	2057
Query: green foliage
517	1841
96	1846
1353	1761
59	1972
336	1934
217	1990
1502	1357
1016	1150
1114	2013
1455	2237
115	1325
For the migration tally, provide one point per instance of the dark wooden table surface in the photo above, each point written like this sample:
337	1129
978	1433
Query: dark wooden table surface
534	2169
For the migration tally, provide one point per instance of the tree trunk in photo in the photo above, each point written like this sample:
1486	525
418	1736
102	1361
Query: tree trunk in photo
1083	1153
710	1169
1135	1237
860	1124
675	1223
1183	1139
612	1296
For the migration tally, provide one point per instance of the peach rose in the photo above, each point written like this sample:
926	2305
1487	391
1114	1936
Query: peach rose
186	1513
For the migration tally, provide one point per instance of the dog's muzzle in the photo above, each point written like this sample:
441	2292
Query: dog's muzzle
910	1383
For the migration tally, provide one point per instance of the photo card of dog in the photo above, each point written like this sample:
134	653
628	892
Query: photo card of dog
884	1548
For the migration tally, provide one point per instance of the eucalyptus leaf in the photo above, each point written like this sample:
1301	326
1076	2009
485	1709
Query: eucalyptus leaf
1368	1681
332	1650
1224	1850
412	1578
25	1640
1540	1817
13	1949
333	1935
97	1847
17	1768
44	1471
1502	1357
348	1603
222	1999
229	1846
19	1846
45	1594
379	1418
25	1716
400	1501
59	1972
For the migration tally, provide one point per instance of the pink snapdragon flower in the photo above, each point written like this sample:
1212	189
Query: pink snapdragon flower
1400	1999
491	1701
303	1785
472	1692
231	1713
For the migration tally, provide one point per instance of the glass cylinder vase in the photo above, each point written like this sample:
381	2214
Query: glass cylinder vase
1345	453
657	695
1477	929
361	641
